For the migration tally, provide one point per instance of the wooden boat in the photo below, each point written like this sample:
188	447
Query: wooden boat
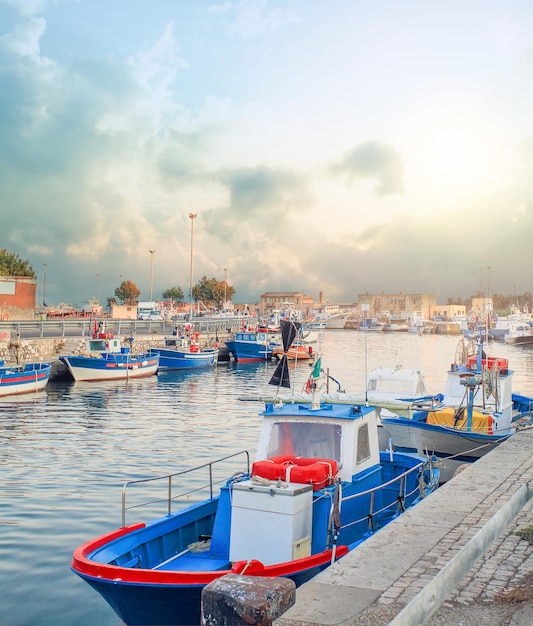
476	413
318	488
180	353
24	378
250	346
108	360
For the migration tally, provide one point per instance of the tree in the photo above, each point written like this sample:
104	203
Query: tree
12	265
128	293
174	293
211	291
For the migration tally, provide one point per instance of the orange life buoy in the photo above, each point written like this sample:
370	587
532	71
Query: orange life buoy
316	472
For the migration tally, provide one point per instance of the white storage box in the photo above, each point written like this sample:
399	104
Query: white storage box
271	524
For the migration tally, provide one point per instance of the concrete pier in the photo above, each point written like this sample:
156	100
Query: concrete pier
452	559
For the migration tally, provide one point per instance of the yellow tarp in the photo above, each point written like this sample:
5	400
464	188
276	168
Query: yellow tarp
481	423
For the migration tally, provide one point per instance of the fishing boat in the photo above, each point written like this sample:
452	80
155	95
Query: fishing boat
519	334
107	359
318	488
249	346
298	351
24	378
476	413
185	353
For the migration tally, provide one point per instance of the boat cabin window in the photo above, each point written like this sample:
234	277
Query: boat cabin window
307	440
363	444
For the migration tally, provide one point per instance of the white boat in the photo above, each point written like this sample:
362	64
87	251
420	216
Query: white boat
337	320
477	412
519	333
107	359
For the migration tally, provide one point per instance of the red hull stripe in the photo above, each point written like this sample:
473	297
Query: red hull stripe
112	573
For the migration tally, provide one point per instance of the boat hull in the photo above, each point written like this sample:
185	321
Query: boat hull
249	352
170	359
29	378
164	604
412	437
111	367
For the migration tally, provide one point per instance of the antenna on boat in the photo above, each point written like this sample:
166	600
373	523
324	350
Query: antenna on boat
366	372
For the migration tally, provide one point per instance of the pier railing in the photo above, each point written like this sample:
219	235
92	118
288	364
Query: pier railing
208	484
84	327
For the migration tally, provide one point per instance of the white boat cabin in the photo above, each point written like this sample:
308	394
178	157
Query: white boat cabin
347	434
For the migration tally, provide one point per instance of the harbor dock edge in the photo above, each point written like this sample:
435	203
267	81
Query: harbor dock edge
454	558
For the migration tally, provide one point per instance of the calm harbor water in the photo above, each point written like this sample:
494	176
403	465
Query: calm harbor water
66	452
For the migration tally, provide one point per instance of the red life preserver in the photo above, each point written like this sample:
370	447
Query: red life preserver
294	469
195	347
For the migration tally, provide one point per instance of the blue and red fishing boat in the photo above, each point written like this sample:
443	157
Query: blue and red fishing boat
250	346
24	378
319	487
107	359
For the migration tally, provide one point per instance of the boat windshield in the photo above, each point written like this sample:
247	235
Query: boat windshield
306	440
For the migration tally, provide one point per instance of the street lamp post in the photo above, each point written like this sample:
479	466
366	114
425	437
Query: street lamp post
192	216
225	286
98	288
44	284
152	252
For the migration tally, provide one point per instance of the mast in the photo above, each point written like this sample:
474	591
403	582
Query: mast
192	216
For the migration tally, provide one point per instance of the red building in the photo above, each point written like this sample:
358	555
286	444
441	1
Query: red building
17	297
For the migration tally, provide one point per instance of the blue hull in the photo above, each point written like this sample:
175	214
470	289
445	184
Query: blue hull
163	605
247	352
174	359
26	378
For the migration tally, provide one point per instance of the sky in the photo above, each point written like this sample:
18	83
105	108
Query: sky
336	147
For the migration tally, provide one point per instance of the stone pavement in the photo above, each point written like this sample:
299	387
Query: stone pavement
453	559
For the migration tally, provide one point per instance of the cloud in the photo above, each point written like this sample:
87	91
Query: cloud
250	18
373	160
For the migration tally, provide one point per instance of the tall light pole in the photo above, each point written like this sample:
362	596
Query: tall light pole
44	284
152	252
98	288
192	216
225	285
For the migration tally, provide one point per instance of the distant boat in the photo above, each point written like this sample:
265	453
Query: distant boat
180	353
337	320
519	334
250	346
25	378
108	360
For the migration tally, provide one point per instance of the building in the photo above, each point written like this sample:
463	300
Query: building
399	305
17	297
273	301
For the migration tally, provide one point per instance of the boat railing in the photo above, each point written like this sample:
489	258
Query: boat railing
398	502
171	496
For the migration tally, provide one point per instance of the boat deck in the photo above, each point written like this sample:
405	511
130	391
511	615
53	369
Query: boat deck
195	562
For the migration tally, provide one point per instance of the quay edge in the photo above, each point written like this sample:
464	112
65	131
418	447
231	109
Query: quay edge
439	551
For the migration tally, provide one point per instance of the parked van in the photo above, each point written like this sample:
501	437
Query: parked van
152	315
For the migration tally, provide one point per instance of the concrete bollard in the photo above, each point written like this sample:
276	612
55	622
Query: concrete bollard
235	599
